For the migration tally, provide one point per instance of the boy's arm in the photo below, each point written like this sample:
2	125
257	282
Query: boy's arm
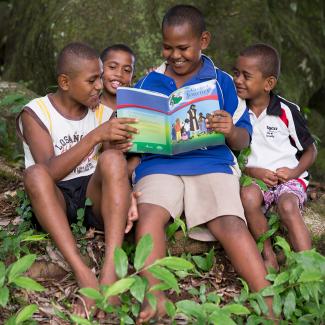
41	146
306	160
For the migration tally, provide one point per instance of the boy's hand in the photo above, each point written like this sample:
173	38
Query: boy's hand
133	211
221	121
284	174
116	130
269	177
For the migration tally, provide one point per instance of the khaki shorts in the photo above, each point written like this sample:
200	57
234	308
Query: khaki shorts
202	198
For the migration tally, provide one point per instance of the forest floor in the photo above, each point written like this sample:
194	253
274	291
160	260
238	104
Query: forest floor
61	289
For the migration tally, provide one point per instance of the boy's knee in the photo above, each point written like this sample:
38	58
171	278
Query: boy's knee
250	196
112	161
33	176
288	207
228	225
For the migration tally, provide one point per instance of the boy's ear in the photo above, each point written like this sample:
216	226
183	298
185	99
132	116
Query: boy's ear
270	83
205	40
63	81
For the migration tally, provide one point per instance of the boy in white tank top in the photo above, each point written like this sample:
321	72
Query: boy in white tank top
62	138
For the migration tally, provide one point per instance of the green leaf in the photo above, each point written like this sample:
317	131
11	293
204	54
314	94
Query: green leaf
121	262
283	244
20	266
220	317
28	283
281	278
142	251
2	273
152	300
246	180
310	276
39	237
277	305
170	309
79	320
175	263
4	296
26	313
190	308
88	202
138	288
289	304
261	184
164	275
80	214
236	309
92	294
304	291
119	287
201	262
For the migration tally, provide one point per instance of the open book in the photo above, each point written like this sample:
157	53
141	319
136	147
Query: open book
171	124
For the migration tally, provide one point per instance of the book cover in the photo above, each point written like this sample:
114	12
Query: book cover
171	124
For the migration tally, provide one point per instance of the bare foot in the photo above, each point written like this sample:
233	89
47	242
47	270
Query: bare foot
86	279
148	313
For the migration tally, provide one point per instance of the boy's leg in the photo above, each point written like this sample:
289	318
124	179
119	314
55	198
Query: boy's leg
152	220
49	207
290	214
252	199
109	190
241	248
162	197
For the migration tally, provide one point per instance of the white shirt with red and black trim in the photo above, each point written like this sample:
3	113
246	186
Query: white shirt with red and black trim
279	134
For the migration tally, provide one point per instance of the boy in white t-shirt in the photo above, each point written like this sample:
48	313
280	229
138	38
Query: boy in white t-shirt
62	138
282	150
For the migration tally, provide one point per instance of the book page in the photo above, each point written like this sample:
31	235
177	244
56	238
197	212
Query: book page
189	108
150	108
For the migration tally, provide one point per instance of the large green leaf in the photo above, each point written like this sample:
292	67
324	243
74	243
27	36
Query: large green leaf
28	283
121	262
191	308
289	304
26	313
4	296
170	309
119	287
277	305
220	317
164	275
175	263
142	251
91	293
21	266
236	309
138	288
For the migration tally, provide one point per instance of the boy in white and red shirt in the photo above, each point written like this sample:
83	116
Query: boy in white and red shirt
282	150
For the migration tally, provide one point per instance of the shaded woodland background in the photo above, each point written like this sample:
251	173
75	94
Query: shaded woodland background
33	32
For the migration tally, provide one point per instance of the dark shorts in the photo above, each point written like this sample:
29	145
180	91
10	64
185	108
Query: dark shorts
74	193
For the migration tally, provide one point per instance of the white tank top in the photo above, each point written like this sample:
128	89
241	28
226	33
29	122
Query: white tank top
66	133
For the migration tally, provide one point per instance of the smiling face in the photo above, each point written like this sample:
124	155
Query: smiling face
84	84
182	49
249	80
118	70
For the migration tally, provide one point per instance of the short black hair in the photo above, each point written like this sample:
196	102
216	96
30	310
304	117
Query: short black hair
66	61
181	14
270	63
115	47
